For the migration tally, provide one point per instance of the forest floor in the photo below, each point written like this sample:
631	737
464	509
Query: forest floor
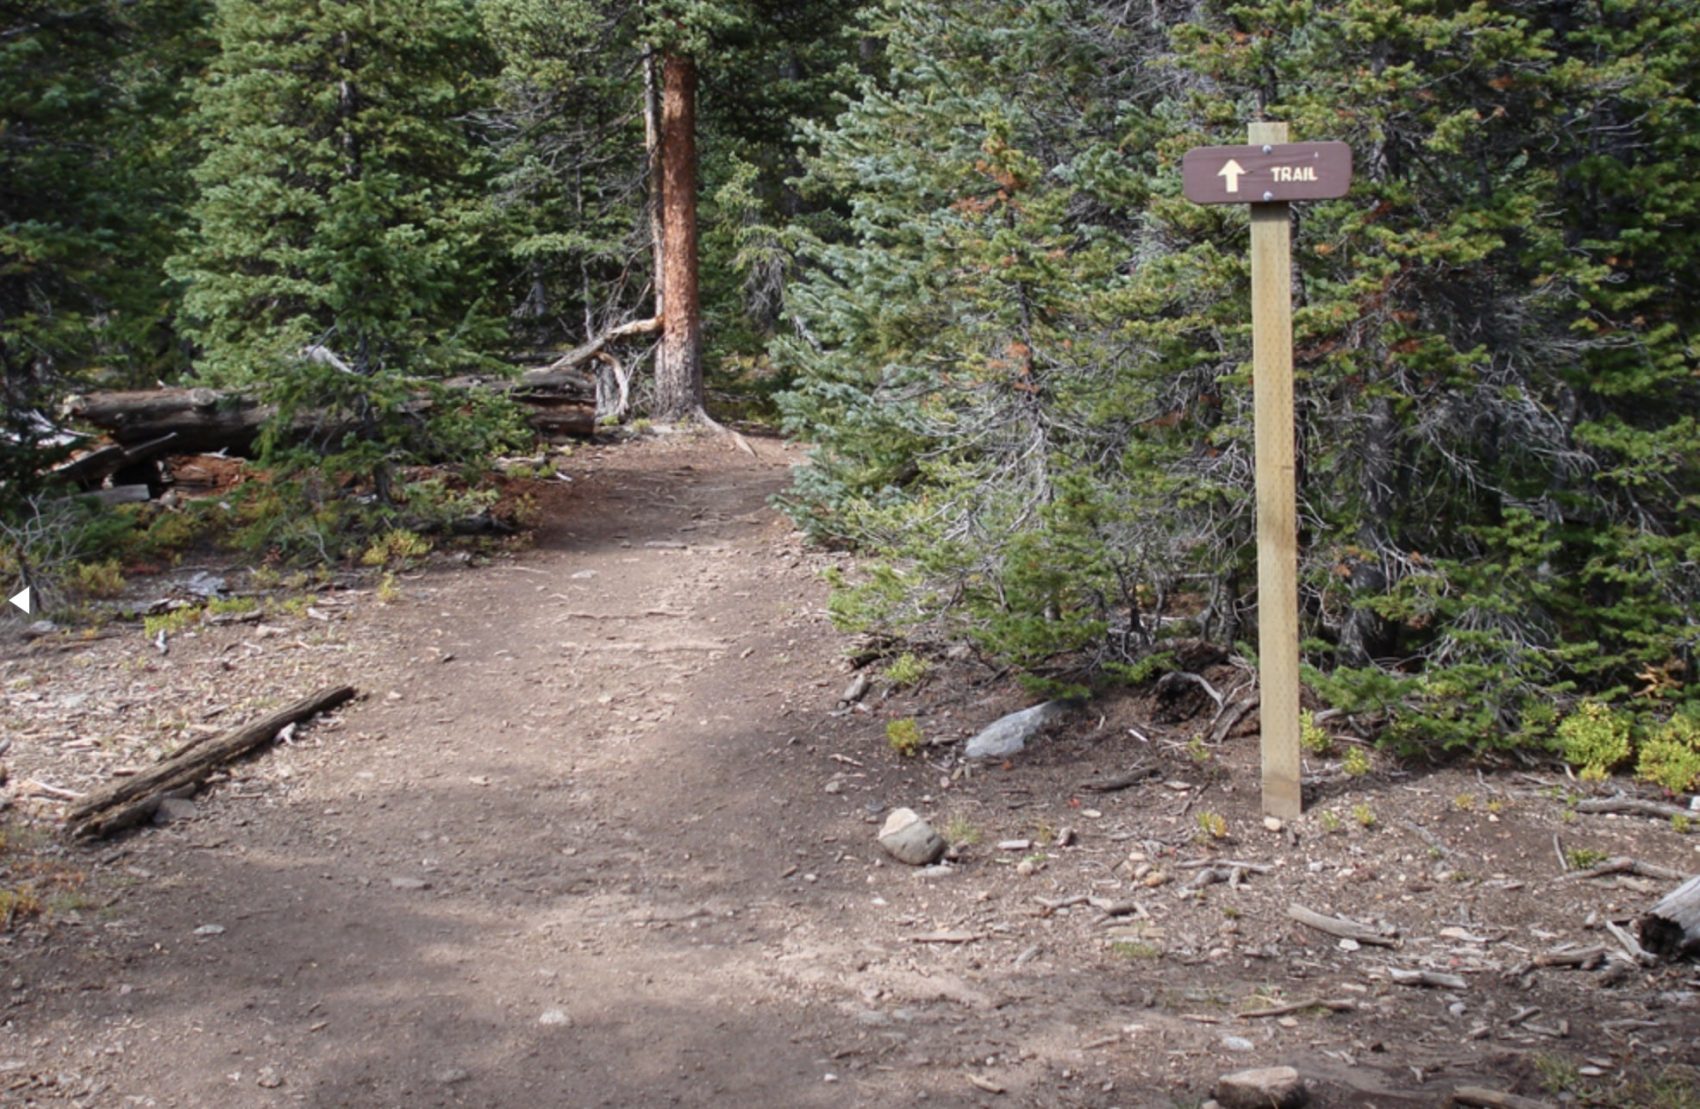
598	831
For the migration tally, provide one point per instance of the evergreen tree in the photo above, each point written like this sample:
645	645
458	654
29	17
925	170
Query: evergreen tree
340	255
90	192
1047	433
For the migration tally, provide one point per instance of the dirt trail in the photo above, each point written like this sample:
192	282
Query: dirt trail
597	835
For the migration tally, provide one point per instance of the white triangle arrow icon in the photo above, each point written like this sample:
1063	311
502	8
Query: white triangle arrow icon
22	599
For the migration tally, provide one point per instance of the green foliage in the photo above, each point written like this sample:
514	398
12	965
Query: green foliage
1364	815
338	259
172	621
1355	762
97	580
1312	737
906	669
904	737
1212	825
1594	739
1023	356
1670	755
90	130
397	547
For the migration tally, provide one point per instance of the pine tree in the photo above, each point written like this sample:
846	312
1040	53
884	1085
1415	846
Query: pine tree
90	192
1048	434
339	256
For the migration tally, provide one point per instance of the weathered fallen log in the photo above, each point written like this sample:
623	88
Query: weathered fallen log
133	800
1671	929
561	401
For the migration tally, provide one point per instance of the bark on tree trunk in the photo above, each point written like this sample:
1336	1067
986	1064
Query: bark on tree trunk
678	368
652	154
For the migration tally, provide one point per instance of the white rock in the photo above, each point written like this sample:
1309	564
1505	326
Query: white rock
554	1016
1010	734
907	838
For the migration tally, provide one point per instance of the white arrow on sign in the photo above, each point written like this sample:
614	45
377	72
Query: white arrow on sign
22	600
1232	172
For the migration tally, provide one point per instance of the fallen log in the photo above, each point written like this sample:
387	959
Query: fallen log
133	800
560	401
1671	929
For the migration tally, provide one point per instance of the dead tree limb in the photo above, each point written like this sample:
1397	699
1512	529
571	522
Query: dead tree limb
1639	806
1341	927
133	800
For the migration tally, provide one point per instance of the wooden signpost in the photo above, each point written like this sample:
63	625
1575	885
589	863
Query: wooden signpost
1267	174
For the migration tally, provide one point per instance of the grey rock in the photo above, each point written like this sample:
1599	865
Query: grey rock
1262	1088
452	1076
554	1016
856	690
1010	734
40	628
909	839
1237	1043
173	809
409	884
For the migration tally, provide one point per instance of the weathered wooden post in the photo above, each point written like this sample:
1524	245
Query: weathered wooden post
1268	174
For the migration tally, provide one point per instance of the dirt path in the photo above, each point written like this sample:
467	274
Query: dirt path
598	834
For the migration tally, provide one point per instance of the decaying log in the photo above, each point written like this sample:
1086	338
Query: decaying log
560	399
133	800
1671	929
201	419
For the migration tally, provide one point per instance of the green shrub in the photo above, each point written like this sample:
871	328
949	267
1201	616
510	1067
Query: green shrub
97	580
1594	739
397	547
906	670
904	737
1670	756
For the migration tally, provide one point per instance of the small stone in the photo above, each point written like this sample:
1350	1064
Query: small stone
452	1076
268	1078
1015	844
830	1077
1237	1043
40	628
210	930
909	839
1154	879
834	786
1273	823
856	690
555	1017
409	884
1010	734
173	809
1027	868
1262	1088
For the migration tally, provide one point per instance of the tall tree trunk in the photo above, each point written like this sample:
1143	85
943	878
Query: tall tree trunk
678	368
652	155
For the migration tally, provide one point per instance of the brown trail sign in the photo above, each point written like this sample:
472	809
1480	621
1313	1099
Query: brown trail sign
1267	174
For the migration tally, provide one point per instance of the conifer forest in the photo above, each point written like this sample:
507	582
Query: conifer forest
1083	554
945	245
